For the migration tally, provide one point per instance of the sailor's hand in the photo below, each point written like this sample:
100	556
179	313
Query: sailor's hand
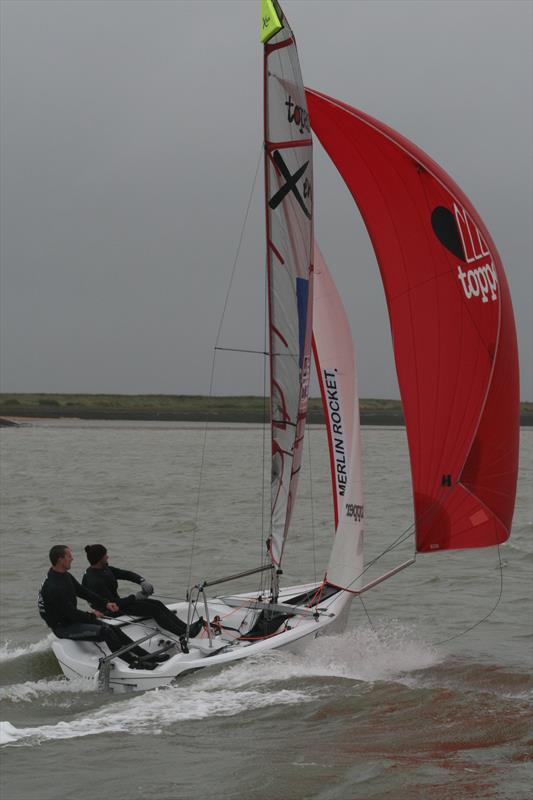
112	607
147	588
97	614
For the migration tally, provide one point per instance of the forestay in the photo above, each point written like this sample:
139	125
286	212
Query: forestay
452	328
289	232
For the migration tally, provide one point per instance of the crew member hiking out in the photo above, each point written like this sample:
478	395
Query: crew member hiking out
103	579
57	603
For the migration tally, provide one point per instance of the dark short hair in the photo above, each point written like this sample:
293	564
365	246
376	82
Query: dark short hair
57	552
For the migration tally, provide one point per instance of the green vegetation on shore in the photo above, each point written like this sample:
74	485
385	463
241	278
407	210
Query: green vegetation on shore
193	408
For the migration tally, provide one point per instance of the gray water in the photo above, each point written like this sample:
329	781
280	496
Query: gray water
381	711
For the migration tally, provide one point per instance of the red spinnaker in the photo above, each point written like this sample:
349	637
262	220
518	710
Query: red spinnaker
452	327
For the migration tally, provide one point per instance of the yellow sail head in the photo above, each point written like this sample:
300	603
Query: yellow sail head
271	20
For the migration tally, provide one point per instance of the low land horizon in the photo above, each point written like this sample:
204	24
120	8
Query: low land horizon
192	408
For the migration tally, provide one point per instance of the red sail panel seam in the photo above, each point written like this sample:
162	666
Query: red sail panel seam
490	489
286	416
286	453
283	423
276	251
421	283
270	146
503	455
280	335
269	48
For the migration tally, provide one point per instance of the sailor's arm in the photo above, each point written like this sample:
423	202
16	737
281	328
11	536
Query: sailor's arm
95	600
125	575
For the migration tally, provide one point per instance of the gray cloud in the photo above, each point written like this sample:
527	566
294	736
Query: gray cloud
130	133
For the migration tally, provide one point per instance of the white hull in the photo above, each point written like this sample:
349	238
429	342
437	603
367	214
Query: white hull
82	659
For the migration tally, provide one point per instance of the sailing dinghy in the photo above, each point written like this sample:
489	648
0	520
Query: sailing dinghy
455	350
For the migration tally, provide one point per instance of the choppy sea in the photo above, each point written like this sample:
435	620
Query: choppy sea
403	704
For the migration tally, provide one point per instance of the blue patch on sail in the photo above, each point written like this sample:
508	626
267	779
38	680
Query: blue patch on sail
302	294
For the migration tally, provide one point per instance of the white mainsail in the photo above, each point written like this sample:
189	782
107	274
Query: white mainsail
289	232
335	363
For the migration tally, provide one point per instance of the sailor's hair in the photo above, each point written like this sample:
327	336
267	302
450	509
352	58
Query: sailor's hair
95	552
57	552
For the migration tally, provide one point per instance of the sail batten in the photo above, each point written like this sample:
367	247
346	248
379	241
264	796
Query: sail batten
452	327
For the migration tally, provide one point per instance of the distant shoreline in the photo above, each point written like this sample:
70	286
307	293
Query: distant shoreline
173	408
186	408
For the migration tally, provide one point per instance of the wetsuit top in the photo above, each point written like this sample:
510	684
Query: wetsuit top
105	583
57	600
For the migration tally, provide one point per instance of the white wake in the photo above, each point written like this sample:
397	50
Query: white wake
152	712
390	653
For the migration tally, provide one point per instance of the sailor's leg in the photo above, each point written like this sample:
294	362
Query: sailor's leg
96	632
162	615
123	640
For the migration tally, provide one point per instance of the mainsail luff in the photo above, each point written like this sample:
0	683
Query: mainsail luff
452	326
289	231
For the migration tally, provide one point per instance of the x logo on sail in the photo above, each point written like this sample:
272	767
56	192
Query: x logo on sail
290	185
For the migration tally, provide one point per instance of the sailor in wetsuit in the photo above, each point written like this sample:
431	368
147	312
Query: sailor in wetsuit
103	579
58	607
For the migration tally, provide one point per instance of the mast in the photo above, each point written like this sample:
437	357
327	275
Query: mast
289	253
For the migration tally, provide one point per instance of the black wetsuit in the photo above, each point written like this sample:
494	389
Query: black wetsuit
105	583
57	603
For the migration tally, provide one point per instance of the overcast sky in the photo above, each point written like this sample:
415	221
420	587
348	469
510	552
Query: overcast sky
130	135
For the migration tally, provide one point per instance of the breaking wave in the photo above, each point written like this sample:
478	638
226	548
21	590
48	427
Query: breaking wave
385	653
389	653
9	652
152	712
34	690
